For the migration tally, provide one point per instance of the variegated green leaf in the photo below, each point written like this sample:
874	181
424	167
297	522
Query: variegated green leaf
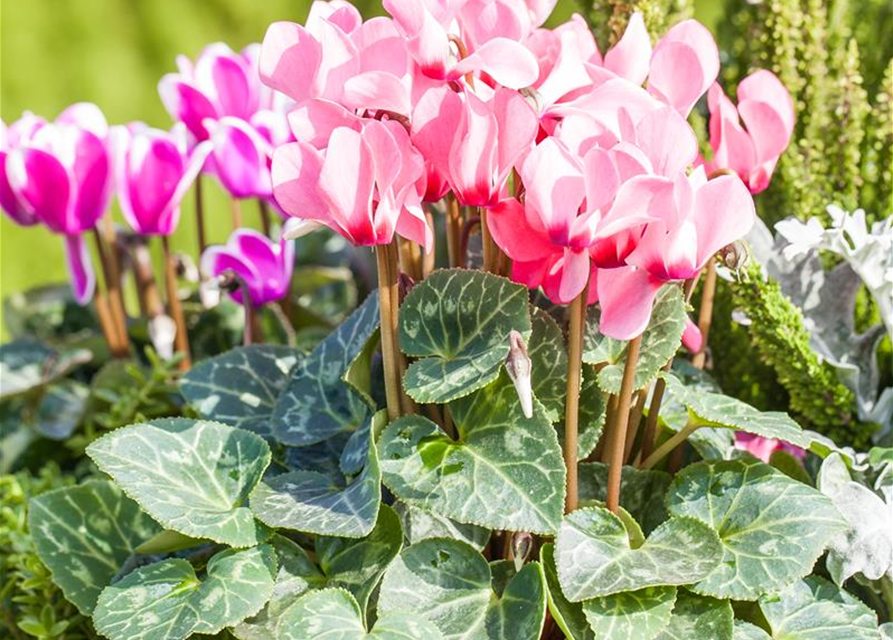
772	528
747	631
28	364
167	601
317	403
632	615
457	324
659	343
596	557
192	476
717	410
84	535
295	576
61	409
240	387
333	614
815	609
548	356
358	564
314	502
463	595
504	471
419	525
642	492
568	615
698	617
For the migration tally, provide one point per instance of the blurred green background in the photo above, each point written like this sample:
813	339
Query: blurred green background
113	52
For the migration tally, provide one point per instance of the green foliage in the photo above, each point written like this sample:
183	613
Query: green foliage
659	16
817	397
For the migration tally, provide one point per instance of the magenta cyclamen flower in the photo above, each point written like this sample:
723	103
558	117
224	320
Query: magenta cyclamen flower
220	83
264	265
17	134
763	448
60	174
767	110
240	158
153	171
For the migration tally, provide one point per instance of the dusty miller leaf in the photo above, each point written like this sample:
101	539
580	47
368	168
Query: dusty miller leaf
84	535
167	601
463	595
240	387
504	471
772	528
192	476
457	323
595	556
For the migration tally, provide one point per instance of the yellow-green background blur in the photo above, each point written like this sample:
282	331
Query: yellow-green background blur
112	52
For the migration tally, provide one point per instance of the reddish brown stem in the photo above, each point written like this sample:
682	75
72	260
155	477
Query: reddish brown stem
621	420
572	401
705	313
175	308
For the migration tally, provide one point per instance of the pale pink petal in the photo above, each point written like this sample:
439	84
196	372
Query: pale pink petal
626	296
473	156
764	86
349	161
684	65
435	123
554	188
87	116
668	141
518	126
508	62
630	57
574	275
289	60
314	120
377	90
427	39
240	157
732	146
692	339
295	171
568	73
514	235
723	213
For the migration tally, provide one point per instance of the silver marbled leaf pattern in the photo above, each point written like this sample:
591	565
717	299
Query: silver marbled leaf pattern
333	614
419	525
85	534
167	600
632	615
457	324
314	502
568	615
317	403
504	471
595	556
772	528
463	595
27	364
192	476
659	343
642	491
241	386
700	617
548	355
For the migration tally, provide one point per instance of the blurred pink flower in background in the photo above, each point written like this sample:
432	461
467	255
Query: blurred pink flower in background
264	265
763	448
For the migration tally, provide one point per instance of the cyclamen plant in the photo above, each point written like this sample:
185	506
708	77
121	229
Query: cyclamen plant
461	457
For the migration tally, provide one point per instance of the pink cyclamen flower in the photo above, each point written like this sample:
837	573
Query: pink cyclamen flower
61	174
684	65
264	265
153	171
220	83
766	108
363	185
240	158
763	448
473	142
565	213
694	219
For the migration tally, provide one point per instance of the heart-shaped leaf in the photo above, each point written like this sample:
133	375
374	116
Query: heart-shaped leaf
84	535
314	502
296	575
61	409
167	601
596	558
632	615
504	471
698	617
747	631
333	614
192	476
28	364
642	492
241	386
316	403
659	343
419	525
568	615
457	323
358	564
454	586
717	410
815	609
548	357
772	528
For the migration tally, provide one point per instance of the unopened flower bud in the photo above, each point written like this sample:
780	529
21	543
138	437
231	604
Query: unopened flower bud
522	545
296	228
519	368
734	256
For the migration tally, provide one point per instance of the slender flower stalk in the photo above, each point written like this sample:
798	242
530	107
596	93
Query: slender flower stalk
237	214
705	314
635	417
454	232
387	288
175	309
667	447
617	432
200	216
118	327
572	401
265	223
